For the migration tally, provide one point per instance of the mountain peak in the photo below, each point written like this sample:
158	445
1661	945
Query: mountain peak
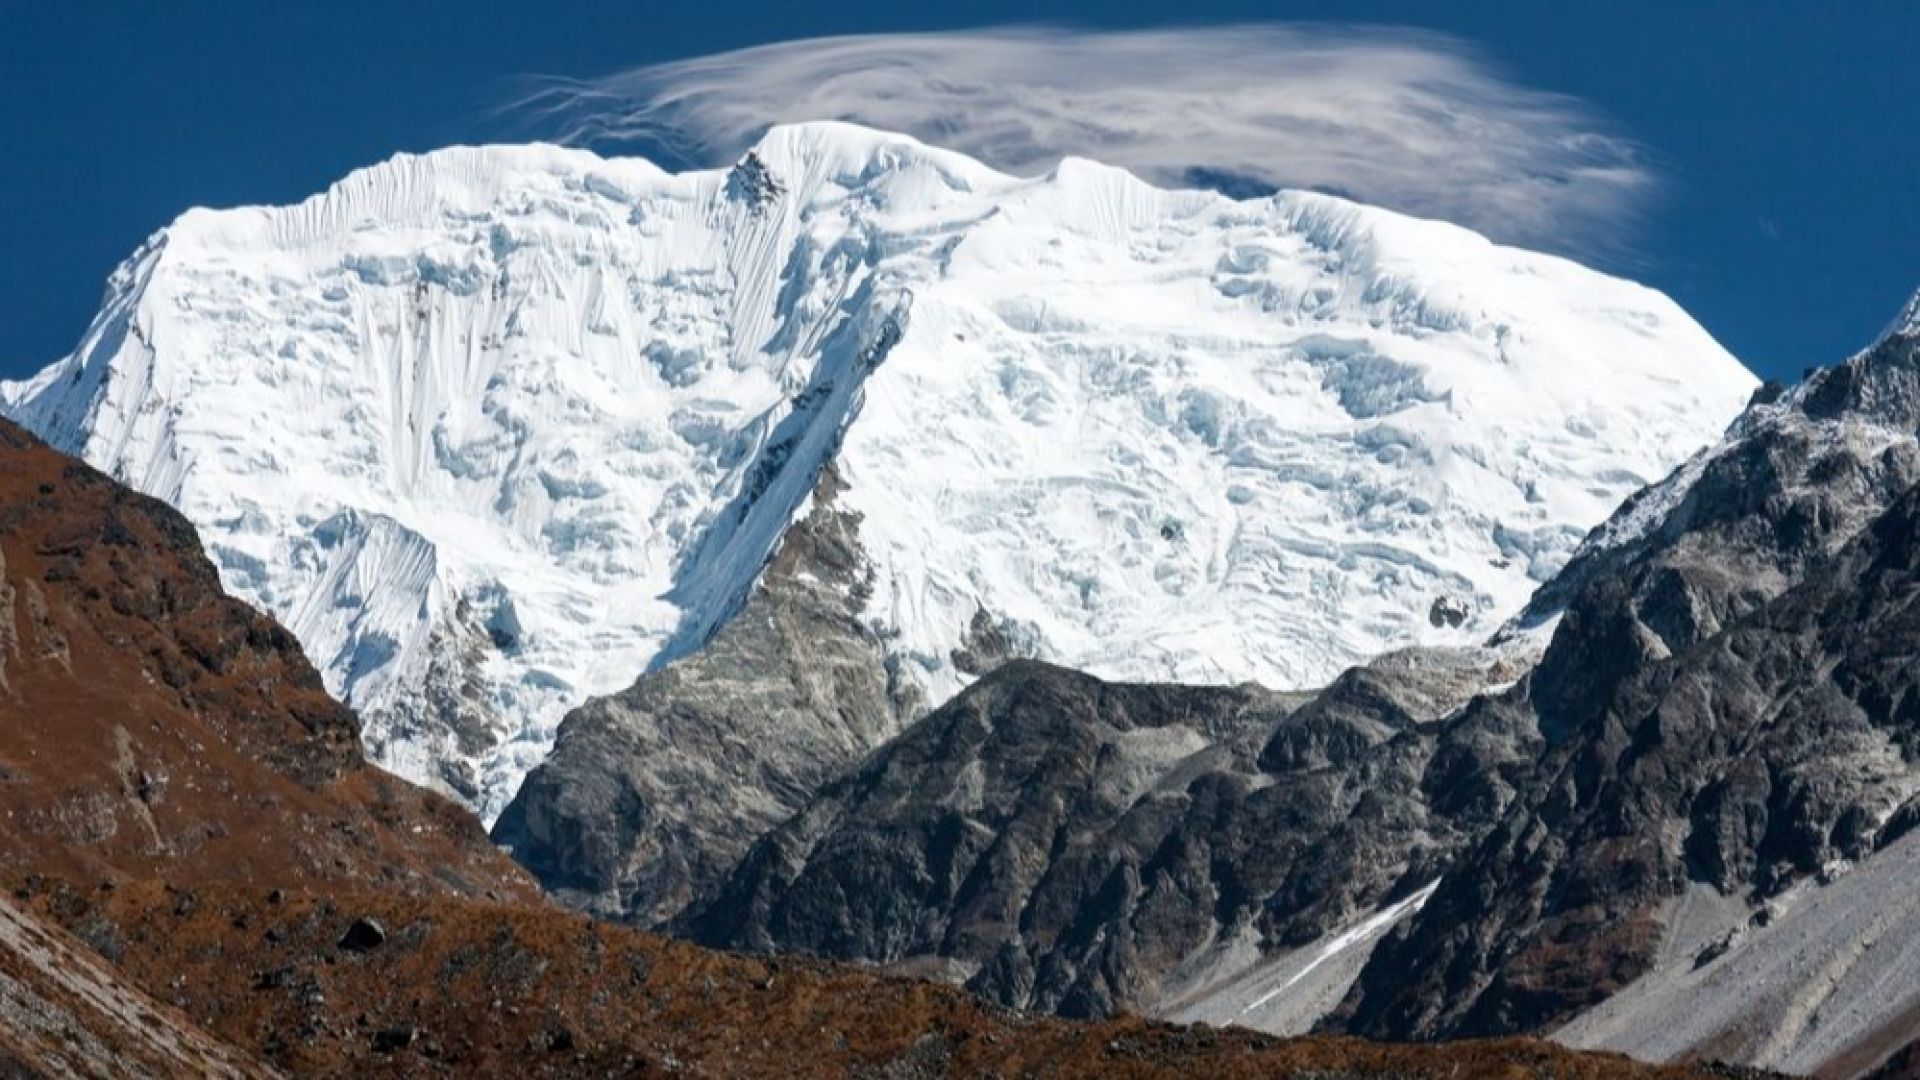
752	181
494	430
1907	323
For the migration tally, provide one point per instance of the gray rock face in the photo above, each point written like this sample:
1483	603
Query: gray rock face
1729	699
650	796
1062	843
987	644
1797	475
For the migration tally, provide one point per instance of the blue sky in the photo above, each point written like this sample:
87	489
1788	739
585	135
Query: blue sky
1785	136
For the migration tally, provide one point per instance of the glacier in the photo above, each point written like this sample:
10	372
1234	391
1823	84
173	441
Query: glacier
494	430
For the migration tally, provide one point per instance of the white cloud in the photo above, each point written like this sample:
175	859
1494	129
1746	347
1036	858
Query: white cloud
1412	121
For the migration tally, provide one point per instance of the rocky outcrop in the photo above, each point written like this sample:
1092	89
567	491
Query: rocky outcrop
1035	780
1058	842
1774	751
1727	701
652	795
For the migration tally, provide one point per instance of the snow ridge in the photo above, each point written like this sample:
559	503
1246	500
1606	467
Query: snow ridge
496	429
1907	323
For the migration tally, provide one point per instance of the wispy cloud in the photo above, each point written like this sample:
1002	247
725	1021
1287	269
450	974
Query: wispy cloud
1413	121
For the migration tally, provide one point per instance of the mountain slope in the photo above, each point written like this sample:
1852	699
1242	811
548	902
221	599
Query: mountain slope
64	1012
1726	703
1061	843
461	989
149	723
496	430
1686	831
652	795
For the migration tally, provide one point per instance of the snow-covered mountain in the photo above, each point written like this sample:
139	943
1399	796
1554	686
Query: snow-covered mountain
494	430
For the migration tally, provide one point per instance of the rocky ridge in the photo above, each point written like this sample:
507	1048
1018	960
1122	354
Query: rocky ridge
1062	843
1724	703
652	795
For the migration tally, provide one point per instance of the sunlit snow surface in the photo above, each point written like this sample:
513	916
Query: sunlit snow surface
541	415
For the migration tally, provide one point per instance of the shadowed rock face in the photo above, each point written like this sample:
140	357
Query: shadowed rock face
996	818
148	722
1903	1065
1064	843
652	795
1729	700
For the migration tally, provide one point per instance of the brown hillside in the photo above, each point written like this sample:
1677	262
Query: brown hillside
152	726
460	988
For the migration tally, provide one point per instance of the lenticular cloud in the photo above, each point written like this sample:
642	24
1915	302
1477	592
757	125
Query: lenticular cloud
1414	122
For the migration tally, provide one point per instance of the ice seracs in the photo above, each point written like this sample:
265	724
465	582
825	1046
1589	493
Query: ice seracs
496	429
